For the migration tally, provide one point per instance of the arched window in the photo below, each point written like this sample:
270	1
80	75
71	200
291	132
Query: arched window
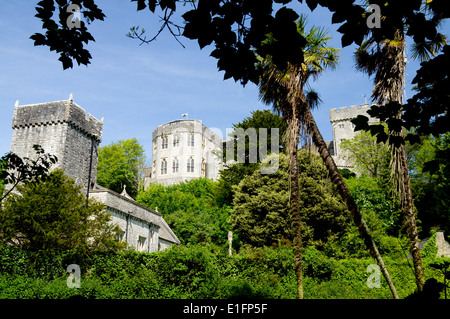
175	165
163	167
176	141
190	165
191	140
165	142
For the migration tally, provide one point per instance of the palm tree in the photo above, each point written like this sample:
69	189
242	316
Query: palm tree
284	89
386	61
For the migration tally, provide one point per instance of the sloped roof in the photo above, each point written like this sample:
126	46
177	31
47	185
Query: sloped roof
127	205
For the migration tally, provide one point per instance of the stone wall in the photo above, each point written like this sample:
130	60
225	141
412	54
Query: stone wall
63	129
343	129
136	221
442	244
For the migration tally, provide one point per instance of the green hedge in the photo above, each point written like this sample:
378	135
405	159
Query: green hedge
195	272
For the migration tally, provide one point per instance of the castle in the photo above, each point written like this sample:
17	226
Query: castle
183	150
343	130
186	149
63	129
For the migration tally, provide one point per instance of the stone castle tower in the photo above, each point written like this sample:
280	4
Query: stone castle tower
63	129
343	129
183	150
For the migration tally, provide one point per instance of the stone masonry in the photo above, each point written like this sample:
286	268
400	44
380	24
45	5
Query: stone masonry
343	129
63	129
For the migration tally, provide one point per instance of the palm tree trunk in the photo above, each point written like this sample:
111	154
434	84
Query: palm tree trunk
338	180
408	208
389	88
293	135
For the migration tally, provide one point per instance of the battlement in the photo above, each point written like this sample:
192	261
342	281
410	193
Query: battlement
345	113
58	112
186	126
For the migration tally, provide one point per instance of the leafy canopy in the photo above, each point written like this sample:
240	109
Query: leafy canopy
53	214
121	164
191	210
261	213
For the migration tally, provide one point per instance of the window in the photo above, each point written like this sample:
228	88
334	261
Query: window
141	243
176	141
191	140
341	125
203	167
175	165
163	167
190	165
154	168
165	142
120	235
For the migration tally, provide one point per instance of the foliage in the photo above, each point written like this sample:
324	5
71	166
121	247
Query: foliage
346	173
201	272
443	265
233	173
428	109
238	28
368	156
15	170
121	164
191	210
430	180
261	204
429	250
68	42
53	214
370	196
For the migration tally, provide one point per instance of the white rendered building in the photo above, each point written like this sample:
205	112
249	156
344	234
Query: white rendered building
184	150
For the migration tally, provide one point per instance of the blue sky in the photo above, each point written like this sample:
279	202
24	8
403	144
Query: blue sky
136	88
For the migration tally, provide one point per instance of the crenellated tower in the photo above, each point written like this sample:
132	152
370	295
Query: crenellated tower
343	129
63	129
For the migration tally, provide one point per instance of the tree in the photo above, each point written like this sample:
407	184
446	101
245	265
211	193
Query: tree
191	210
383	57
443	265
15	170
52	214
284	89
369	194
428	110
368	156
260	214
430	176
233	173
121	164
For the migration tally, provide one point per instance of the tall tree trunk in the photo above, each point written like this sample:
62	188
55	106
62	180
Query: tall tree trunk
338	180
390	82
293	135
406	199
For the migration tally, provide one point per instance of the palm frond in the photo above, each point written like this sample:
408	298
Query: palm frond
313	99
427	49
